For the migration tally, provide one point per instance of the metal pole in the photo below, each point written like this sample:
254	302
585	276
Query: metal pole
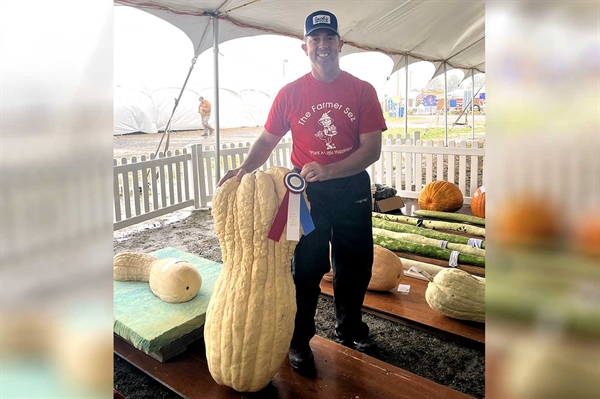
473	100
445	106
215	22
405	97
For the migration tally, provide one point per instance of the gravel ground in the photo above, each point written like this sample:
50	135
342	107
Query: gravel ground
459	366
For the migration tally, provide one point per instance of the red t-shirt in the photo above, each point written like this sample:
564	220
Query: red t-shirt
326	118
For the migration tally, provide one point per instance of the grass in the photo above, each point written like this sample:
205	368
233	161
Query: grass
431	131
436	133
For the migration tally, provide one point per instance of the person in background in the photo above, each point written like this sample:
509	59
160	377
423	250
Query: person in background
336	123
204	109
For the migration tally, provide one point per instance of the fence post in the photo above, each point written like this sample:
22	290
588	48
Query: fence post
196	171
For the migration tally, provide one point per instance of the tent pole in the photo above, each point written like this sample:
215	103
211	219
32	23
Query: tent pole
405	96
216	76
473	101
445	106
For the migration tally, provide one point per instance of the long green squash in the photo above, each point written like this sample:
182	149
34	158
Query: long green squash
426	250
406	228
434	224
463	249
457	217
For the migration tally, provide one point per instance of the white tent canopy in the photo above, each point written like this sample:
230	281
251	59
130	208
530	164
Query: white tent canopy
451	32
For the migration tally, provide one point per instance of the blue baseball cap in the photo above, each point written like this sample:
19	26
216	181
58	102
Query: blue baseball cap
320	20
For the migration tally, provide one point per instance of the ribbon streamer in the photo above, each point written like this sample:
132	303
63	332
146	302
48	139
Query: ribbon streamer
475	242
293	211
453	261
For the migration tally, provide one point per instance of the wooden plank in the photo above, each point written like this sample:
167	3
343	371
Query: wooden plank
135	177
414	308
116	196
341	372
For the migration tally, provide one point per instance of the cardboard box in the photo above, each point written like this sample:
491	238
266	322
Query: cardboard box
389	205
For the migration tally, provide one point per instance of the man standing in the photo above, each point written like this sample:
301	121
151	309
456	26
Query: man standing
336	123
204	110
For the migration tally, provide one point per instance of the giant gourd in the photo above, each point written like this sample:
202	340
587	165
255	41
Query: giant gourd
250	317
457	294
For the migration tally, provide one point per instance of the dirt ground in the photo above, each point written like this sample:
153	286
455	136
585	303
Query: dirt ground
458	366
137	144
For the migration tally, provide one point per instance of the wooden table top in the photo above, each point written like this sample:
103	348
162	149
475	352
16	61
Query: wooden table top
341	372
414	308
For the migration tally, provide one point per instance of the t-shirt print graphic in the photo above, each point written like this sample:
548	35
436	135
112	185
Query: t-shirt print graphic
329	130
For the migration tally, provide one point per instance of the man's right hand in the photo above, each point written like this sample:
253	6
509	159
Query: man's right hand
238	173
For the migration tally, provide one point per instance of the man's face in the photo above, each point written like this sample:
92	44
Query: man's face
323	48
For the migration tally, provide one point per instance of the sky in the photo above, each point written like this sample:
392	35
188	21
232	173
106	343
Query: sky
151	53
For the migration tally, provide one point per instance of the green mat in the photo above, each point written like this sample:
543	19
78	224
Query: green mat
150	323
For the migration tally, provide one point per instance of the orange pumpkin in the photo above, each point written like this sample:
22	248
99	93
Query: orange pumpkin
478	203
441	196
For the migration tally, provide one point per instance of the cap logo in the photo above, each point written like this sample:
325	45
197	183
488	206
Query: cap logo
321	19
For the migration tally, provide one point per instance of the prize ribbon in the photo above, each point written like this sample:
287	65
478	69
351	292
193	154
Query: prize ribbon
293	210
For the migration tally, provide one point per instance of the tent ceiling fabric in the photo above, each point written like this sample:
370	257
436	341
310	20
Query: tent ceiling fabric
436	31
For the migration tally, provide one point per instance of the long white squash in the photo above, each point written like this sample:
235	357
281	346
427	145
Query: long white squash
250	317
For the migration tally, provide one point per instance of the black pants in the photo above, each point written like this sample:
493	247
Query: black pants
341	212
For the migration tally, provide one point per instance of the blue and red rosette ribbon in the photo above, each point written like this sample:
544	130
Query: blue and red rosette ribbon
293	211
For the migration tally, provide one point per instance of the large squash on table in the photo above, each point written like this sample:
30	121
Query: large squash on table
441	196
478	202
250	317
457	294
387	270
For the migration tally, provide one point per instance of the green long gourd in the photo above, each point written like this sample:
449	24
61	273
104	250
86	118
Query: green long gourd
434	224
457	217
426	250
463	249
429	233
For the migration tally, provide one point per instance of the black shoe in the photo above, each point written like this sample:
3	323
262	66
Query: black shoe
341	341
366	346
302	360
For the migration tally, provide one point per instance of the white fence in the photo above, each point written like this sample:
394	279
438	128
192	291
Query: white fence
232	157
409	167
154	187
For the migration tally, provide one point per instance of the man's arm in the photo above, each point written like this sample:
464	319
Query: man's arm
258	155
368	152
